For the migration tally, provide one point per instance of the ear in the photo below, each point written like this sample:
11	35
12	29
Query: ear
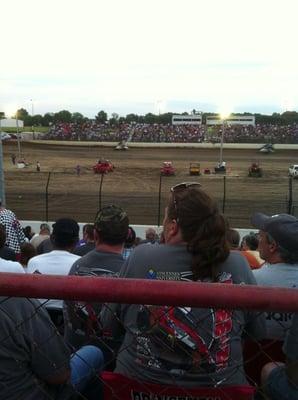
273	247
173	228
96	236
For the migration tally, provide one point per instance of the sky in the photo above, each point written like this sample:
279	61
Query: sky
140	56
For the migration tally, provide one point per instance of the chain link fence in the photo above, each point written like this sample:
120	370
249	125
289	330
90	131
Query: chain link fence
60	194
138	339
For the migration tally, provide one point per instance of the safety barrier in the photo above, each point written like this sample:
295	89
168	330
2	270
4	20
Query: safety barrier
194	323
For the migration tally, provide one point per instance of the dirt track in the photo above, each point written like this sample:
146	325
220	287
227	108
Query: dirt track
135	182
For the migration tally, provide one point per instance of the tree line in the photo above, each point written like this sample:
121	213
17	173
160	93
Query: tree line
48	119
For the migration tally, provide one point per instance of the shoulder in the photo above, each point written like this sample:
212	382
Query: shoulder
11	266
237	265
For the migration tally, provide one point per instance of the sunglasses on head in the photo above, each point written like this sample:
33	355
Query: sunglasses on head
178	187
184	185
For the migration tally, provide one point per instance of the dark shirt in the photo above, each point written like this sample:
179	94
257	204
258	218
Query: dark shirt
84	249
8	254
45	247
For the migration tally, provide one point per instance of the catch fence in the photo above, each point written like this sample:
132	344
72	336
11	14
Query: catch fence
49	196
166	327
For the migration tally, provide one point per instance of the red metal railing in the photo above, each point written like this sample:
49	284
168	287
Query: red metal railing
142	291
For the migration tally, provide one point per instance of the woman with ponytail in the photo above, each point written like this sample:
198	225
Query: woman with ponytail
181	344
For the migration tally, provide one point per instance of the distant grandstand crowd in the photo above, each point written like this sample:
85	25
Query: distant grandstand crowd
168	133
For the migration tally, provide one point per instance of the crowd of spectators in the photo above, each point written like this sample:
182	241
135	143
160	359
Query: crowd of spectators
168	133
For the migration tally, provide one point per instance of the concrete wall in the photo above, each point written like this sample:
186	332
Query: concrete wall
239	146
140	229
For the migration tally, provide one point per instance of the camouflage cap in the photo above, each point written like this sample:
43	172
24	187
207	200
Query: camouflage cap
112	221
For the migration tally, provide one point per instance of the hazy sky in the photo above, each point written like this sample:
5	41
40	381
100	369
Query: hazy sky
148	56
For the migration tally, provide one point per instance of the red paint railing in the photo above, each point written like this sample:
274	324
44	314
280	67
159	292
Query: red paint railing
143	291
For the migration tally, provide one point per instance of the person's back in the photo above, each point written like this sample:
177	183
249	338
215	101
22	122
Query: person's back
88	241
180	344
5	252
278	246
44	233
14	233
280	381
58	261
110	232
30	352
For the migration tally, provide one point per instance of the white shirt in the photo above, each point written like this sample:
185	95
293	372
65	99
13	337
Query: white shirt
56	262
11	266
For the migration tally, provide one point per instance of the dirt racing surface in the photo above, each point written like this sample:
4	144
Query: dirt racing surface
134	184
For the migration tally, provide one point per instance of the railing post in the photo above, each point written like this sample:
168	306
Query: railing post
224	195
99	191
159	200
290	202
47	196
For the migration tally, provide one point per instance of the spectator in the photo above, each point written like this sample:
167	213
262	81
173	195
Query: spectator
45	246
35	363
279	380
14	233
58	261
195	249
111	227
44	233
37	166
233	238
27	252
249	246
129	243
5	252
278	246
151	235
88	241
28	232
11	266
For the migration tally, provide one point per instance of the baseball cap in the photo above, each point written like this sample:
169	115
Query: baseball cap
282	227
112	221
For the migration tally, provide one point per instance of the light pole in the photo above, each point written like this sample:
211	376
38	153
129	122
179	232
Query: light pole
223	116
2	183
18	137
221	142
32	114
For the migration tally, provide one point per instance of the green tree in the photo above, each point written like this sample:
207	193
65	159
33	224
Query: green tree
132	118
77	117
101	117
150	118
165	118
2	114
62	116
36	120
48	119
22	114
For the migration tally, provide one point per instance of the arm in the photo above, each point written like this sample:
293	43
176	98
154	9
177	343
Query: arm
50	357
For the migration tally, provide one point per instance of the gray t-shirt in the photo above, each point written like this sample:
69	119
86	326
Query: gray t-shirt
30	352
282	275
82	325
190	346
290	347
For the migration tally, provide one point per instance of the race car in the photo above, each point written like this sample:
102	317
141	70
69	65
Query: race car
167	169
103	167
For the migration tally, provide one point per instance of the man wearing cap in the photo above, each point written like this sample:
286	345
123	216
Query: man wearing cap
278	246
58	261
110	232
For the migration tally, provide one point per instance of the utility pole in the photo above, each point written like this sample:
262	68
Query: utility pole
2	183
